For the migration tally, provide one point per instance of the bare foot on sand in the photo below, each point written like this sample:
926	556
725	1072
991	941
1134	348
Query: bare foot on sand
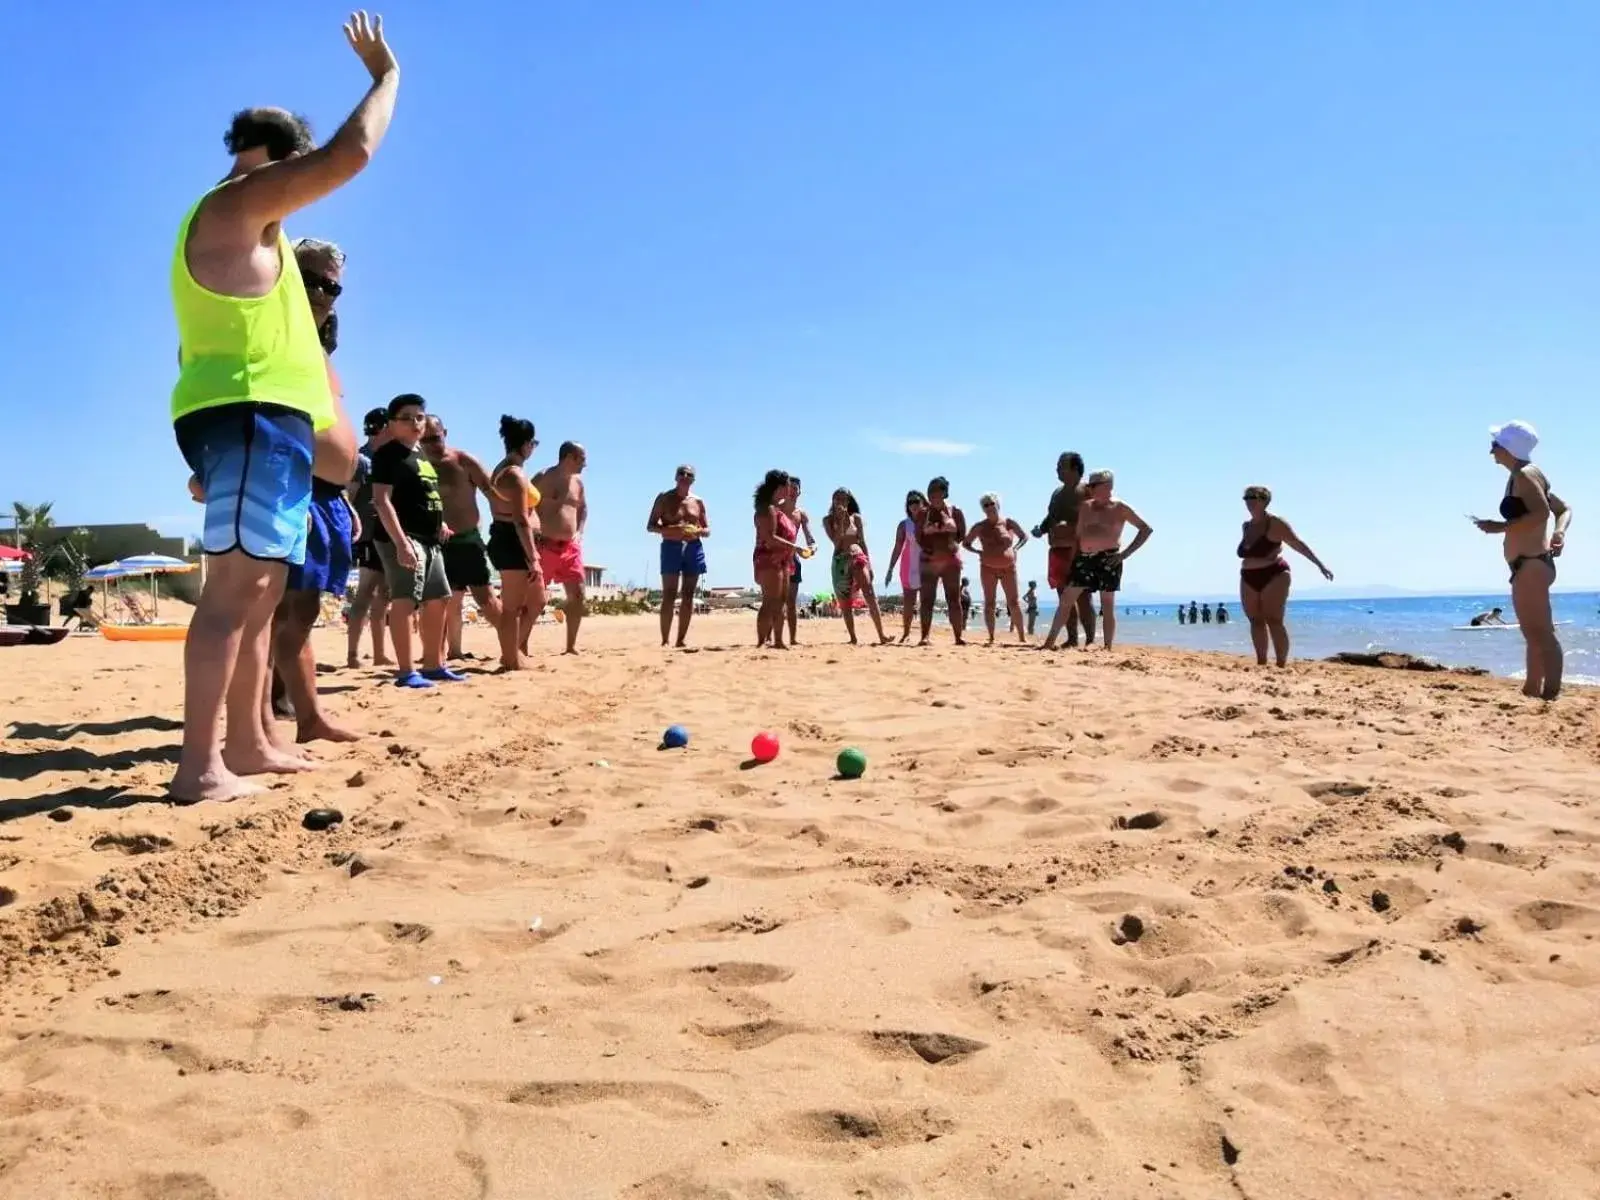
324	731
266	760
219	785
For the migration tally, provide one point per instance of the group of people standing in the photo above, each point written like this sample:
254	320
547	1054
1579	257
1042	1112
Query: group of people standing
1083	525
293	503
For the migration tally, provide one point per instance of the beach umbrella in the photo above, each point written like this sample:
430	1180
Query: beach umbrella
145	564
12	554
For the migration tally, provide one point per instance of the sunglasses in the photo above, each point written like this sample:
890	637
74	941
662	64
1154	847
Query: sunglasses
689	475
321	283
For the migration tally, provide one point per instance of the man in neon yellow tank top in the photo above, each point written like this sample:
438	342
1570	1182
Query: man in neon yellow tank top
254	414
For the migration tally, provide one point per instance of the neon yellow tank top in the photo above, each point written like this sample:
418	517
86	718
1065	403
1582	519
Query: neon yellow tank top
238	349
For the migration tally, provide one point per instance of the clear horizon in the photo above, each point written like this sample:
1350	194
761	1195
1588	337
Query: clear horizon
1321	247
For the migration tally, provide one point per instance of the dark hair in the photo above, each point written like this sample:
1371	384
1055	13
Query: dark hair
328	332
1033	583
281	132
794	480
914	497
374	421
1073	459
850	505
406	400
567	448
939	484
774	480
515	432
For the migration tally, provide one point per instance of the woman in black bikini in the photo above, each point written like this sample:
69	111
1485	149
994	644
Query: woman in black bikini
1264	574
1530	552
940	530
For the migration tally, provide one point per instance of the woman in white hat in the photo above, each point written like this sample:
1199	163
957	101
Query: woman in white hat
1530	550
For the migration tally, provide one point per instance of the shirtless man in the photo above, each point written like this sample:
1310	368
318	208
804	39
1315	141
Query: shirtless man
1060	527
466	558
253	413
1097	567
513	522
679	517
791	506
563	513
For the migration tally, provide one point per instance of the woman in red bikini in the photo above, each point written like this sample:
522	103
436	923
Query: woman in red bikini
774	556
1264	575
940	530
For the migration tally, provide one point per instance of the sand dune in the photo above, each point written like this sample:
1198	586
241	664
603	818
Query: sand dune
1145	925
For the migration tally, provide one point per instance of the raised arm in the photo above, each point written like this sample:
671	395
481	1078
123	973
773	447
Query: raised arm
1290	539
805	527
1141	526
274	190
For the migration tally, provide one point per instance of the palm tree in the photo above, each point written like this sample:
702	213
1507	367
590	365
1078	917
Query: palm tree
32	524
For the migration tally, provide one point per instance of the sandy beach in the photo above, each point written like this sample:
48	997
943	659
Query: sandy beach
1149	924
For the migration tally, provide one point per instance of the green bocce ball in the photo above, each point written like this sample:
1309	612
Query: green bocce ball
852	763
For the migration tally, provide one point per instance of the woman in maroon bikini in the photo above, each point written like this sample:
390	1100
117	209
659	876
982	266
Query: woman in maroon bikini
774	556
1264	575
940	530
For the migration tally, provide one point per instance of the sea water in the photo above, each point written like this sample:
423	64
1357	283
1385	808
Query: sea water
1418	625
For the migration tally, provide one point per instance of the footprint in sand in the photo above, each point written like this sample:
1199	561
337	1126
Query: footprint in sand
742	974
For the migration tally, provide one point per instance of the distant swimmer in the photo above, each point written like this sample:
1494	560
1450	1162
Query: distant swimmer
1492	617
679	518
1222	614
1264	575
1531	550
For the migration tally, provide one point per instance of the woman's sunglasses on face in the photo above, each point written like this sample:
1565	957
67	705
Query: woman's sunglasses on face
321	283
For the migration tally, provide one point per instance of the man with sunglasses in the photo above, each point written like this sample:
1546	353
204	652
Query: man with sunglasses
679	517
333	527
466	558
253	413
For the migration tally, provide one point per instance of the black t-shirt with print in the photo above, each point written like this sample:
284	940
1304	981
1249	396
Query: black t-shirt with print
415	495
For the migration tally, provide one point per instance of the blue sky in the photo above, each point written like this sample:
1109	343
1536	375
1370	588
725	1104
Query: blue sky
1319	246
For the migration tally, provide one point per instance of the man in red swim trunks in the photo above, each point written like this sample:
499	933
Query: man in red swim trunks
563	512
1060	527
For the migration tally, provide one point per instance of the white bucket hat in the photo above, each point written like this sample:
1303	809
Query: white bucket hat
1516	438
